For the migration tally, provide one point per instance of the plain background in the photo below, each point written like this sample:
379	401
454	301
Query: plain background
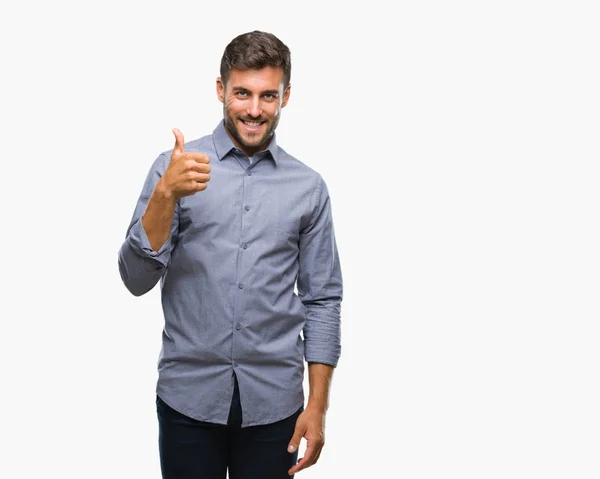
459	141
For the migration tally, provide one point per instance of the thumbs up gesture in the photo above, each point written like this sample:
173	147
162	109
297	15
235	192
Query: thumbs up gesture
187	173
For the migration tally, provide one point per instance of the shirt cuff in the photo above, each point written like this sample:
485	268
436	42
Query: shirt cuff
141	244
322	352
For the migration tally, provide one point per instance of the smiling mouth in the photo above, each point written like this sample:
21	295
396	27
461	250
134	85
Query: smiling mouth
252	125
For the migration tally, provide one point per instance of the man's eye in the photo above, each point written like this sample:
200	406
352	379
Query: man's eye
270	96
242	93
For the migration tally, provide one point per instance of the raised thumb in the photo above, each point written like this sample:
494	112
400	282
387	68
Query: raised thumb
178	140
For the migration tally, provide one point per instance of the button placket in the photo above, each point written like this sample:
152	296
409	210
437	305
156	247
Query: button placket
237	325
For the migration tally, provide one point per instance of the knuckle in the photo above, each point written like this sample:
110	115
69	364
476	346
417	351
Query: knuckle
189	163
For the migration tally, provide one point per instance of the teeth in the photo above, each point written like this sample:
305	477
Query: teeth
252	123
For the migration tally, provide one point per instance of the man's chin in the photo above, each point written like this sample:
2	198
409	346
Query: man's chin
252	142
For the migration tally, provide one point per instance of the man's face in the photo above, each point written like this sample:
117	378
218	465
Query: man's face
252	102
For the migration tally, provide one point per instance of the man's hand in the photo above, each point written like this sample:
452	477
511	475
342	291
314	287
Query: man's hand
310	425
187	173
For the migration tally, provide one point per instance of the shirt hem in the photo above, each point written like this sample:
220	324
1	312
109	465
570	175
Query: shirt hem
284	416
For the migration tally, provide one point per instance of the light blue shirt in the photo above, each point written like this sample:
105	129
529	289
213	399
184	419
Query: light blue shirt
227	274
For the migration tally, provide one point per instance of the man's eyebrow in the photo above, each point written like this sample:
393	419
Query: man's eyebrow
270	92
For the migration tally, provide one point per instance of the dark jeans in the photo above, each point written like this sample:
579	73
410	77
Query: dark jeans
191	449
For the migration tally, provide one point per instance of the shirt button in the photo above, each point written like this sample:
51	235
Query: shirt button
247	208
249	173
241	286
235	365
245	246
238	326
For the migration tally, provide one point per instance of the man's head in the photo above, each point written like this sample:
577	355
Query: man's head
254	85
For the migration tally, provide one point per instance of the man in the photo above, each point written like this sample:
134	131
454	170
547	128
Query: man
229	254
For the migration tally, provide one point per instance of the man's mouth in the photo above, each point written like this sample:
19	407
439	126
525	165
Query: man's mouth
252	125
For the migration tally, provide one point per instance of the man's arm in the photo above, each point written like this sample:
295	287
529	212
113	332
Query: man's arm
145	255
159	215
320	290
319	379
320	282
151	235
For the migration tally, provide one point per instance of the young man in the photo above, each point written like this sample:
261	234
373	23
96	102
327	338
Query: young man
230	223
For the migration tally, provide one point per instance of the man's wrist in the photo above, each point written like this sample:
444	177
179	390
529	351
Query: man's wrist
164	193
317	404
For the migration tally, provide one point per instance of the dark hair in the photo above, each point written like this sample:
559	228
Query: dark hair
256	50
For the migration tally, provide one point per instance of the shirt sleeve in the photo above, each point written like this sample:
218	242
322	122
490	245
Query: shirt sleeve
320	282
139	265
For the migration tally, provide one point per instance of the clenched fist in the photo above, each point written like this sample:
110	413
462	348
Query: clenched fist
187	173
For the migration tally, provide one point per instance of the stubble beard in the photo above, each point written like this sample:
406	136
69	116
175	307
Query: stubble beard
253	146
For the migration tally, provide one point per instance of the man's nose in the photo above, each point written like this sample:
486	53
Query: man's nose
254	109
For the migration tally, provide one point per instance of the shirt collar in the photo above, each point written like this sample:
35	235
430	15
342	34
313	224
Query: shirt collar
224	145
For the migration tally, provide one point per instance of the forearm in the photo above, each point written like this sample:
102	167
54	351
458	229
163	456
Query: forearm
144	257
158	217
319	377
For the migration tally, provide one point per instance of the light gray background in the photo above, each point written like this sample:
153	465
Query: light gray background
459	141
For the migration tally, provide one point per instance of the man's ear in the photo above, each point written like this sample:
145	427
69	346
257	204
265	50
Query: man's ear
286	95
220	90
